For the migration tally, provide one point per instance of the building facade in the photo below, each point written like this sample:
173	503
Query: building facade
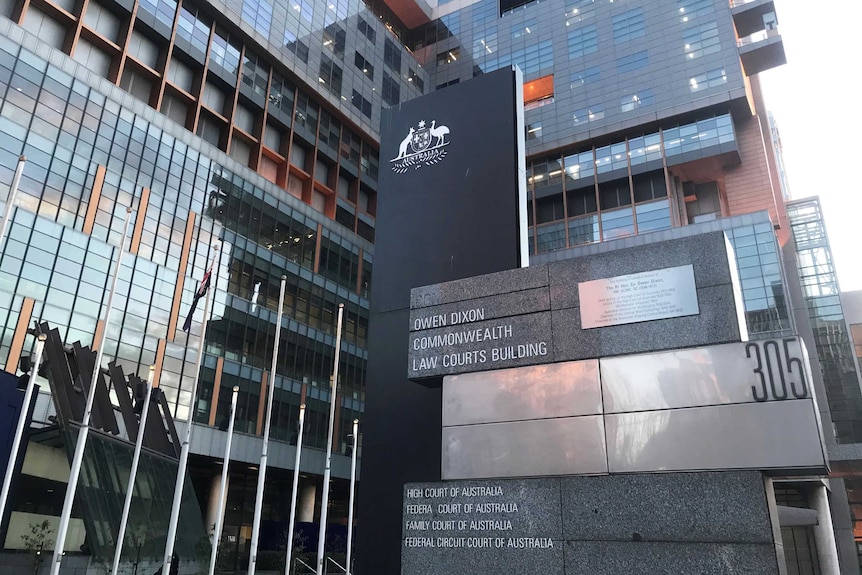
253	125
256	123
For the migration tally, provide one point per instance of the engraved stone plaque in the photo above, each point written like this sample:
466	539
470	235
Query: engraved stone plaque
632	298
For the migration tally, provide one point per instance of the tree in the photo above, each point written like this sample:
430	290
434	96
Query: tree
36	541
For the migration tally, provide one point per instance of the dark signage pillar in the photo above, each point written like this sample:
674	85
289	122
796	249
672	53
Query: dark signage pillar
451	205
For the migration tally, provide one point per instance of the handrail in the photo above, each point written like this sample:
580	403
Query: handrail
307	566
337	564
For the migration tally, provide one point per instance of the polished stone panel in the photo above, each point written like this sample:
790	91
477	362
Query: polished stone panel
517	394
765	370
564	446
772	435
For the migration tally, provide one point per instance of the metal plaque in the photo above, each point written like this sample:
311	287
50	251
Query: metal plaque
632	298
535	392
563	446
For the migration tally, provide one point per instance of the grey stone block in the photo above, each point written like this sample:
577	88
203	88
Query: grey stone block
663	558
717	507
537	502
504	561
493	307
716	323
707	253
511	342
479	286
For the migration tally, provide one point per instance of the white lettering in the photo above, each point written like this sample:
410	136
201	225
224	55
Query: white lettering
429	322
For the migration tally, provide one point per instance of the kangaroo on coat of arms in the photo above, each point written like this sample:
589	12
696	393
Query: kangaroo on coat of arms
417	150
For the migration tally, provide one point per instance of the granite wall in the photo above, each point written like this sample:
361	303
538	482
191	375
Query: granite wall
677	523
533	316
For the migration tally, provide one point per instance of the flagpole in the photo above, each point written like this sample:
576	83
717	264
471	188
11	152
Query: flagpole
223	485
327	471
293	492
22	423
261	472
352	493
10	199
133	473
84	431
184	450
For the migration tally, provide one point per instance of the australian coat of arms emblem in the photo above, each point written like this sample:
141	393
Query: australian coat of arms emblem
423	146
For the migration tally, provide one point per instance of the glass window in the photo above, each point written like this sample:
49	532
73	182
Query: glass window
255	73
361	104
701	40
614	194
524	29
281	95
392	56
194	27
298	47
484	43
653	216
579	10
364	65
534	59
163	10
334	38
617	224
416	80
709	79
550	237
391	90
584	230
583	41
225	52
586	76
649	186
633	62
258	14
330	76
690	9
629	25
637	100
484	11
366	29
449	56
644	149
579	166
590	114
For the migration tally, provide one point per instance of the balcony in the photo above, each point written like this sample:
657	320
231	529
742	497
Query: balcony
750	16
761	51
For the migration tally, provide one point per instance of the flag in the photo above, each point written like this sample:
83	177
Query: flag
254	297
201	292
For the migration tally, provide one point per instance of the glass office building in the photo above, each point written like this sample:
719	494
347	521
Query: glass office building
253	124
256	123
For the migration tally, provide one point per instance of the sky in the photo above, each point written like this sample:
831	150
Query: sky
812	99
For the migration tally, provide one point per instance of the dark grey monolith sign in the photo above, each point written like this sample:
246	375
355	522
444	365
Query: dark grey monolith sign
450	204
605	415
